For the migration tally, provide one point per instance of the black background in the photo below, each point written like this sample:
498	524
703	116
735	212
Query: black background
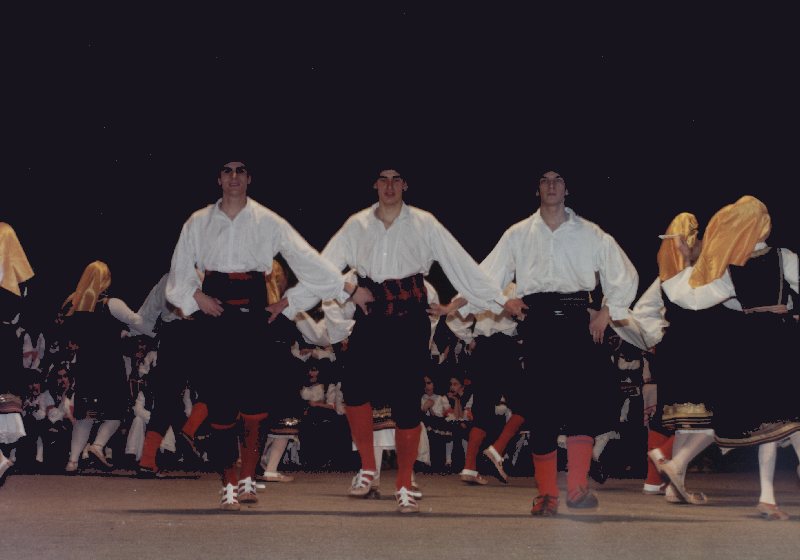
116	122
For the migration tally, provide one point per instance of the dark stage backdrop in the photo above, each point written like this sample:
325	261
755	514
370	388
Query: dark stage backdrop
116	122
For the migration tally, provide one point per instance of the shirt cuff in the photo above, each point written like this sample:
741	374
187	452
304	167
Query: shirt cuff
466	310
290	312
186	303
189	307
344	296
618	313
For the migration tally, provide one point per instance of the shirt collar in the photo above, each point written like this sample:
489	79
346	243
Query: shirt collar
248	207
572	217
404	212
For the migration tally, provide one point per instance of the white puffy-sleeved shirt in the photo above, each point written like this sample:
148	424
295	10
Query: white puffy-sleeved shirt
486	323
210	240
566	260
339	320
649	312
121	312
40	405
313	393
155	305
645	324
63	410
440	405
722	289
313	332
409	246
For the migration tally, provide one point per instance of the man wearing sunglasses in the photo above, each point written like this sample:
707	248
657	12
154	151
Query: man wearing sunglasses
231	245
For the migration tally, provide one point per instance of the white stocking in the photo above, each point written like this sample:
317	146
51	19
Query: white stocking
378	460
688	445
81	431
795	439
275	454
767	455
600	443
105	431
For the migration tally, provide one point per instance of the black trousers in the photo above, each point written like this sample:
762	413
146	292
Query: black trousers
571	384
494	371
179	362
241	348
386	361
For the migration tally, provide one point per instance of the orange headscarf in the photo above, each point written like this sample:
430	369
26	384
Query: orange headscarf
670	260
95	280
276	283
730	238
14	263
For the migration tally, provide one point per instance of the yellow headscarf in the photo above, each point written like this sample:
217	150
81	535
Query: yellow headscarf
95	280
13	261
730	238
670	260
276	283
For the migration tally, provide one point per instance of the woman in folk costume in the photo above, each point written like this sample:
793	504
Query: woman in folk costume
682	360
92	324
752	282
15	271
684	364
760	286
285	407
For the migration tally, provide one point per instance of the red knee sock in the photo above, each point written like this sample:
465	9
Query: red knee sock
196	418
231	476
579	457
407	444
664	443
250	448
476	437
545	469
152	441
509	431
360	420
225	436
